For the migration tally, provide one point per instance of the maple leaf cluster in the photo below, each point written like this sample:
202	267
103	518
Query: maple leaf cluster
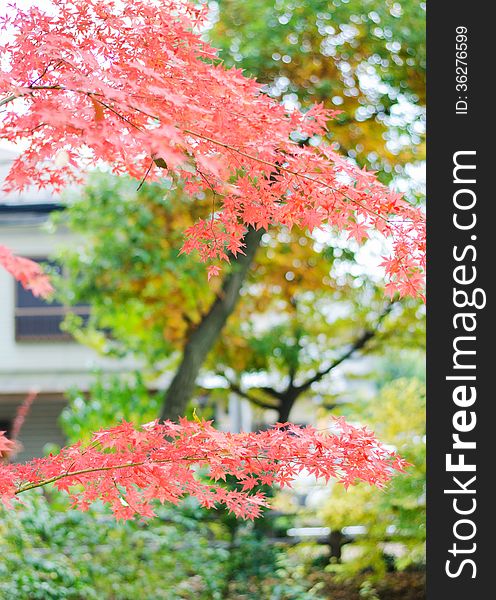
28	272
127	467
132	84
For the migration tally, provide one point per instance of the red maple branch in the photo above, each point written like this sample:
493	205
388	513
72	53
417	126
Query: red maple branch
127	467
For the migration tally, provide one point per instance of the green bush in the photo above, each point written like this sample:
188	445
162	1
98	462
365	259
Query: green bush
51	552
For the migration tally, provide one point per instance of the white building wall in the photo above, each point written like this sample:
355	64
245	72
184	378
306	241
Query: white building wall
46	365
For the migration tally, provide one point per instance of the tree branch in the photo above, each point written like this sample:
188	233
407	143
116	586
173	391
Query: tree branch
234	387
357	345
272	392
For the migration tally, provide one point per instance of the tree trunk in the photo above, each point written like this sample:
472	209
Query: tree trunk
336	542
204	336
286	403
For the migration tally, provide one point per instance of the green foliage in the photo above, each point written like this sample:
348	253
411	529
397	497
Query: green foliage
397	514
110	398
364	57
66	554
367	591
52	552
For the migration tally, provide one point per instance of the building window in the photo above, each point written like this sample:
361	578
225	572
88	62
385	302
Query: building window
38	320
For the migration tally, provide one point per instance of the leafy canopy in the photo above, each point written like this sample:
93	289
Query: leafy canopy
133	85
304	302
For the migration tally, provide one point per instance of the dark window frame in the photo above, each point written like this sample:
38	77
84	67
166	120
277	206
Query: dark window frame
56	310
6	425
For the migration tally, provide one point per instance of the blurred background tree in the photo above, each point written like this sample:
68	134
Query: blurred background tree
364	57
308	305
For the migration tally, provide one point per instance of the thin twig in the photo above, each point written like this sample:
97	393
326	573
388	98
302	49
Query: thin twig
144	177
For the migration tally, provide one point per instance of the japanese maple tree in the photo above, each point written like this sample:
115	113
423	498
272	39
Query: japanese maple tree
132	85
